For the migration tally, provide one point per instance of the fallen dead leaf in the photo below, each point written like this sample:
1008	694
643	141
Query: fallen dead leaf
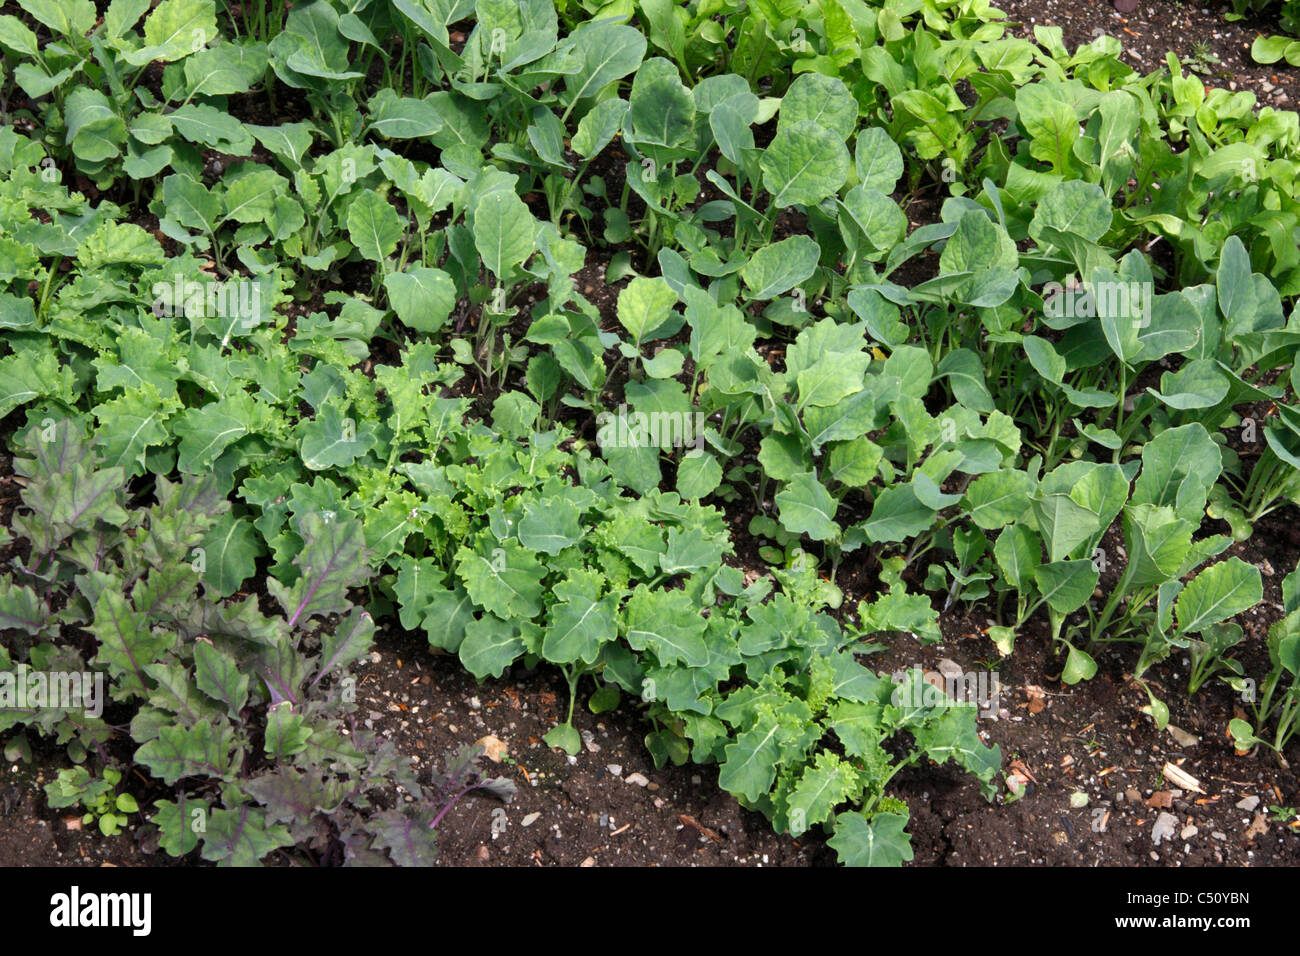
1018	767
1258	827
493	747
1182	737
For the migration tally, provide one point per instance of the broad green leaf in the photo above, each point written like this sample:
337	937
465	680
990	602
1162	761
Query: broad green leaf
422	297
661	114
209	126
1218	593
251	197
781	266
198	751
332	560
823	786
241	837
644	306
876	841
806	507
226	68
698	475
999	498
750	763
93	129
218	676
333	440
490	647
402	117
819	99
598	126
504	232
878	160
127	643
507	581
668	624
1079	665
174	30
965	375
230	551
897	515
609	51
550	525
374	226
1178	468
1075	207
579	624
1051	123
804	164
1066	585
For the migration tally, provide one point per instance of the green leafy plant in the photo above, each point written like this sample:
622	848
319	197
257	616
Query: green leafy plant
104	806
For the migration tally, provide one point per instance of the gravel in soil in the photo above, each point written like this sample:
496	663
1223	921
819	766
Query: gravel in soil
1204	42
606	806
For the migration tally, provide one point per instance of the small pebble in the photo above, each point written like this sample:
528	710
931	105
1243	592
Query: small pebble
638	778
529	820
615	769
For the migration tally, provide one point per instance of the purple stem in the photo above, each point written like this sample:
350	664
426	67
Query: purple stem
438	818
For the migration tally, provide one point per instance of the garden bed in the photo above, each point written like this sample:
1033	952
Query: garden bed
1080	774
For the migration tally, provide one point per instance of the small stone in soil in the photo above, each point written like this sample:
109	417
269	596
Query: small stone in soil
637	778
1164	828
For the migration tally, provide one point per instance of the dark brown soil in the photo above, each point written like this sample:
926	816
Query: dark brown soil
1204	42
567	811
